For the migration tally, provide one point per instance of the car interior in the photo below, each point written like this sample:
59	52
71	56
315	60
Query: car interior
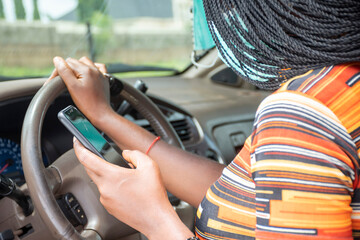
207	111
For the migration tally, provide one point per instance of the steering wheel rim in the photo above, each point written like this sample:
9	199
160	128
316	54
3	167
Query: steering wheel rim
37	176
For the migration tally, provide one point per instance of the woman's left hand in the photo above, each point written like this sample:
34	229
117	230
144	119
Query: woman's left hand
137	196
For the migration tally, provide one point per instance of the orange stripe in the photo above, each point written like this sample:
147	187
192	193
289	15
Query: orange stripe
346	235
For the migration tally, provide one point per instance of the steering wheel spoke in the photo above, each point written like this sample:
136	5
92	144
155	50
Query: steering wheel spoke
53	179
90	235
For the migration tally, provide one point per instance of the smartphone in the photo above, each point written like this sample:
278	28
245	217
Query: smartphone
89	136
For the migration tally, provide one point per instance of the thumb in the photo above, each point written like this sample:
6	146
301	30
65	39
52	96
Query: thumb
137	158
91	161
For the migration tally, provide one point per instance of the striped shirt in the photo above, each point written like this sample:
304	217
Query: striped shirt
297	175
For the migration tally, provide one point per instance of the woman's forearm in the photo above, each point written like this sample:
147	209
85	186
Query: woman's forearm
186	175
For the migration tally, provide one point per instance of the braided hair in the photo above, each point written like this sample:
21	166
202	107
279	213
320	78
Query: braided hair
269	41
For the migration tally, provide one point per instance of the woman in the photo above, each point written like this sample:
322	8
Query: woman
297	175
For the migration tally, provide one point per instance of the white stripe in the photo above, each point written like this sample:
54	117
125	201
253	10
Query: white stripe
271	163
291	97
262	199
236	184
229	206
318	79
237	180
288	98
200	209
263	215
304	182
321	119
206	237
275	229
287	120
237	167
354	80
304	152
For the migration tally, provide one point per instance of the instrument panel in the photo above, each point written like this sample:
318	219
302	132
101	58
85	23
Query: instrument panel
10	160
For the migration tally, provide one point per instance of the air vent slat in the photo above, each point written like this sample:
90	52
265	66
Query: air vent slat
181	127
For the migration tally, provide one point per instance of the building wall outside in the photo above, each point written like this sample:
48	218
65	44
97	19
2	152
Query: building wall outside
35	44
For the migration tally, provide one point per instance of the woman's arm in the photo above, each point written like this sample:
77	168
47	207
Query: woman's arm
186	175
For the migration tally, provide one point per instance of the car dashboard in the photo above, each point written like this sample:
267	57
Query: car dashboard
211	120
56	140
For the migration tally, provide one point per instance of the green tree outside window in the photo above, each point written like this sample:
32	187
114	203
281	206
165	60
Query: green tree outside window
2	15
87	8
36	10
19	9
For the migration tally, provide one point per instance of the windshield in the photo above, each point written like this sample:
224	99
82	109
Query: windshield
127	35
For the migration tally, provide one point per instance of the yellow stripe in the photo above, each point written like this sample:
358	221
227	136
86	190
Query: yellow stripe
264	192
283	165
220	202
307	223
313	197
328	81
340	106
230	228
312	210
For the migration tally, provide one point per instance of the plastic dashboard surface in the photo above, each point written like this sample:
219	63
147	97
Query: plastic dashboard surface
56	140
211	120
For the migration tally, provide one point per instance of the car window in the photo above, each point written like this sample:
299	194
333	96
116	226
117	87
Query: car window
123	34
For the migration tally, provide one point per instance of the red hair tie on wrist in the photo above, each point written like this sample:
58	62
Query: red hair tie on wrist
152	144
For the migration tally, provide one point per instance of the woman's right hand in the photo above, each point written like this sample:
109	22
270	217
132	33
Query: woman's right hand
87	85
135	196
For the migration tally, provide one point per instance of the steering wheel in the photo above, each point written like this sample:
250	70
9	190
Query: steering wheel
66	174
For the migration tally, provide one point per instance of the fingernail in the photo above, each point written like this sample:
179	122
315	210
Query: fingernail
74	139
56	59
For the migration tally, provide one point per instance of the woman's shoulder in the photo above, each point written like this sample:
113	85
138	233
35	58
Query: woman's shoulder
327	84
330	93
337	88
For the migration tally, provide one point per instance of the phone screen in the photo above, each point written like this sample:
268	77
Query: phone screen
87	134
87	130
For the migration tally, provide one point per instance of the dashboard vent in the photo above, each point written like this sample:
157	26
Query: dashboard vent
181	127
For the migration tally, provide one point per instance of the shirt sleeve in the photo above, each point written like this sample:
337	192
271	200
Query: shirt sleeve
302	166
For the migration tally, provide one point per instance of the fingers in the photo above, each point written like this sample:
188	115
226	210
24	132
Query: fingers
80	69
87	61
101	67
137	158
77	67
64	70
